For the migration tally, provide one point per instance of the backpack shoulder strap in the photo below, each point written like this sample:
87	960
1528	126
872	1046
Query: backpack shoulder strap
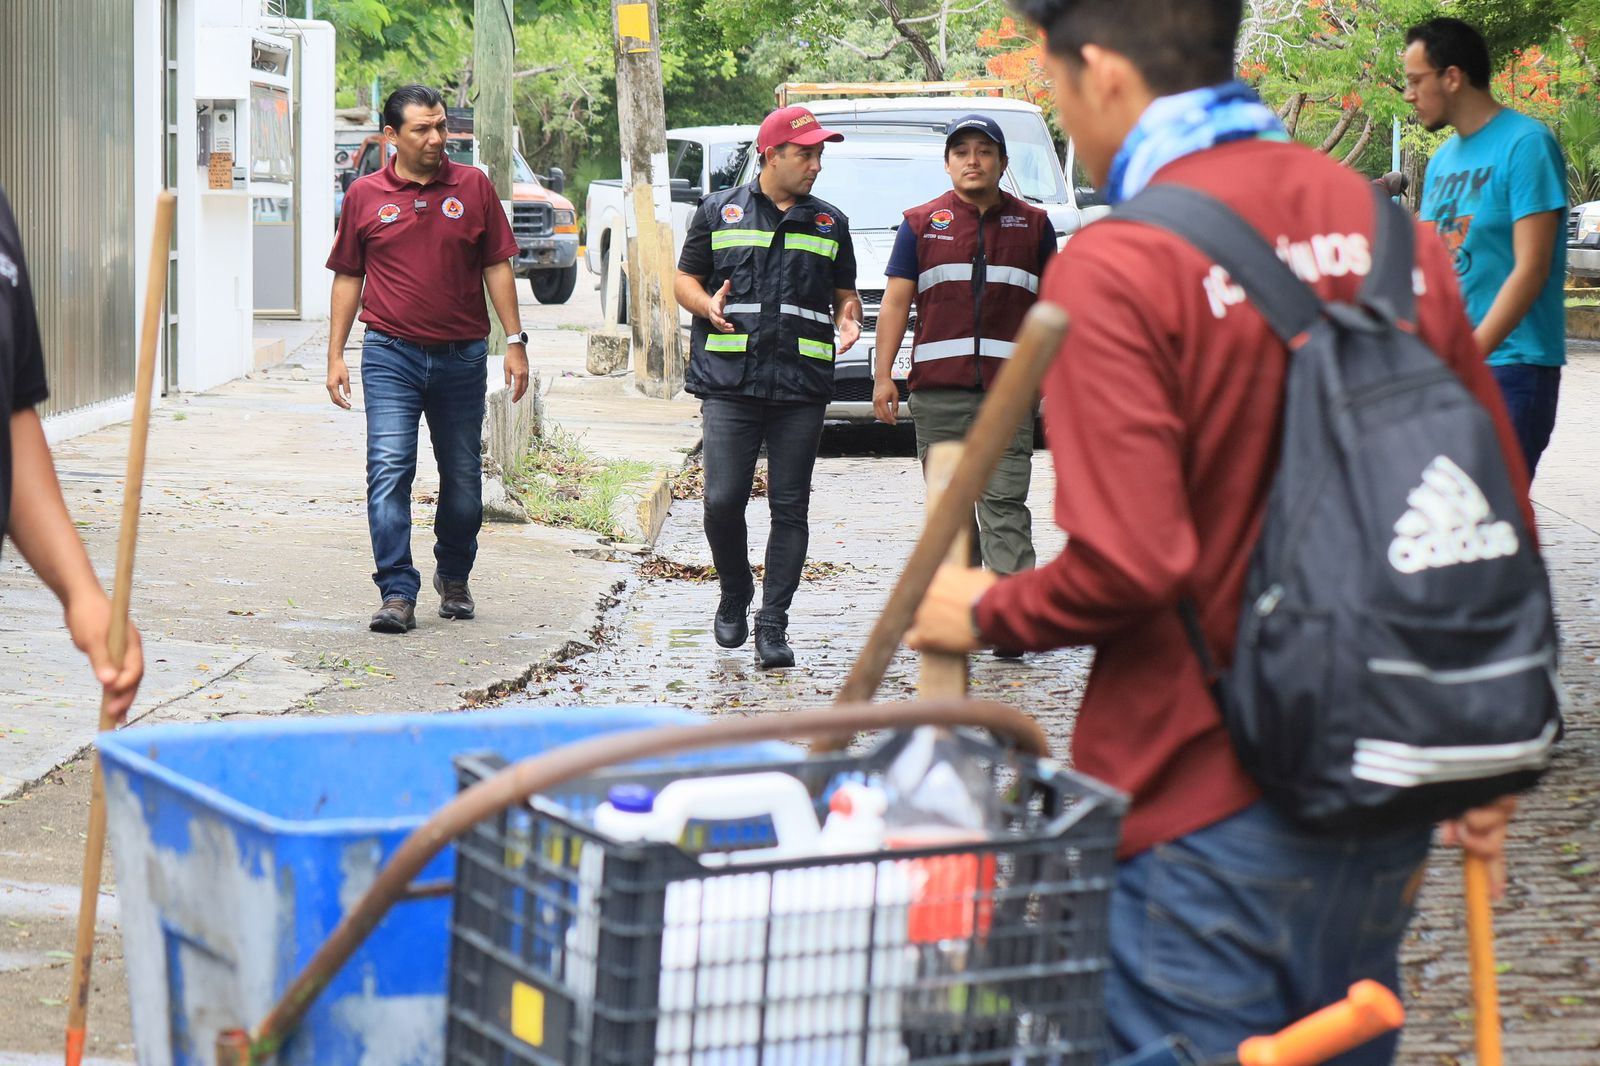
1389	289
1287	303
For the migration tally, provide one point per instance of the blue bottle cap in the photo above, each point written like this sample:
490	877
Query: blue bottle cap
634	799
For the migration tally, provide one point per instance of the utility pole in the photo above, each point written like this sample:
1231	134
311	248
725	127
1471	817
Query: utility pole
642	116
492	45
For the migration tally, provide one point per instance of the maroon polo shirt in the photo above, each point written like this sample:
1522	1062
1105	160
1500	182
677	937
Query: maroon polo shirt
423	249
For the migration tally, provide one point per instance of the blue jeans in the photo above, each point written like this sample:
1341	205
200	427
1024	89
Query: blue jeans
1252	923
735	428
400	383
1530	393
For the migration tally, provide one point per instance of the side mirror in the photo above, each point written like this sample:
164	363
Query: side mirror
1089	196
347	179
558	180
685	193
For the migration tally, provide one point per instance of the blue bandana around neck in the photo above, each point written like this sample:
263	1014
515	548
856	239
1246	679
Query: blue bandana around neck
1176	126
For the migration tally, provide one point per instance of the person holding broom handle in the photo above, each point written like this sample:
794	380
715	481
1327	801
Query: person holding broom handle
32	511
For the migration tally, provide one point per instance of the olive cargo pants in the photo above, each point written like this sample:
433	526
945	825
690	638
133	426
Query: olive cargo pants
1005	526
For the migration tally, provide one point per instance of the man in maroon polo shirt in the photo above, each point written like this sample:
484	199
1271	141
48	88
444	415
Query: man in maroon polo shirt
427	235
1162	412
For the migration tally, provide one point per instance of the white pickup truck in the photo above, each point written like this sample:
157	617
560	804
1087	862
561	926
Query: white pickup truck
1583	240
700	160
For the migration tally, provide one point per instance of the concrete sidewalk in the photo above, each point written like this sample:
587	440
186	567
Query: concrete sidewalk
252	584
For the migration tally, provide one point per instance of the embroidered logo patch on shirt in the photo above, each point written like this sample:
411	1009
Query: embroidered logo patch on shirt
8	270
942	218
824	222
388	213
732	213
452	207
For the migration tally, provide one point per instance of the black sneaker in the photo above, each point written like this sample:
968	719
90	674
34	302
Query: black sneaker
455	599
1014	654
732	624
395	616
772	646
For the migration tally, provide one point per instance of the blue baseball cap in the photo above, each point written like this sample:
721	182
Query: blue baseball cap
982	123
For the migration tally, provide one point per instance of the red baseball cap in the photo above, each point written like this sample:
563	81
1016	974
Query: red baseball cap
792	125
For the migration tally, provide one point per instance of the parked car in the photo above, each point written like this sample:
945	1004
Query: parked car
1583	240
700	160
544	221
892	158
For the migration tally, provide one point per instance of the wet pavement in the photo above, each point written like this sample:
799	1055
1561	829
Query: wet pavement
866	512
656	645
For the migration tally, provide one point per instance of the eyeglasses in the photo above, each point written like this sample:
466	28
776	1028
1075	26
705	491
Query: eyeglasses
1414	80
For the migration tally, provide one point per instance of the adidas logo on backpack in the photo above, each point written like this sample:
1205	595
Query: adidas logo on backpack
1396	662
1449	522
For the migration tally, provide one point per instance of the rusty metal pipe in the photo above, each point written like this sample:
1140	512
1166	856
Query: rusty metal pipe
543	772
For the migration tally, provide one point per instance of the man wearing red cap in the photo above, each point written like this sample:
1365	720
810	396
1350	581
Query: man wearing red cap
768	272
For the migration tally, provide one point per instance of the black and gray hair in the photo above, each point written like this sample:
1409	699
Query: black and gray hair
394	108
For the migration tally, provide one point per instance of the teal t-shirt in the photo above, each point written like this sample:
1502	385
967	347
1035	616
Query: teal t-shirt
1476	190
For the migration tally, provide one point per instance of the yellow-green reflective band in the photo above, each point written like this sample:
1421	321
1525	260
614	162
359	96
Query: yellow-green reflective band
804	242
816	349
740	238
727	342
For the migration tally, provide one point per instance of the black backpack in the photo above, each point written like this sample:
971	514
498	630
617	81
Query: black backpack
1396	652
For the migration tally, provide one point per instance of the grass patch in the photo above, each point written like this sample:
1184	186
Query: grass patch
562	483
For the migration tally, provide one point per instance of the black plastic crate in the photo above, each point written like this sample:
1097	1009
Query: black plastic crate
567	948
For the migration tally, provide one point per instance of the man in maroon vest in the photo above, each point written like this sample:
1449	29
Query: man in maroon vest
971	261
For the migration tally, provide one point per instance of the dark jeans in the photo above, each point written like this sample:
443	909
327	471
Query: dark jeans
1530	393
400	383
735	429
1252	923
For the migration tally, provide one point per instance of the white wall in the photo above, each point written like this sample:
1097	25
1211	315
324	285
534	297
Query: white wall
316	165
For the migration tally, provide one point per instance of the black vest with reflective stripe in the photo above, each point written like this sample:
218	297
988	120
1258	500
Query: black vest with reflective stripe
780	300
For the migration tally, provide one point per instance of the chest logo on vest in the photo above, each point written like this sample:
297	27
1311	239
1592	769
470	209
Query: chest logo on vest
388	213
732	213
8	270
1013	222
452	207
824	222
942	218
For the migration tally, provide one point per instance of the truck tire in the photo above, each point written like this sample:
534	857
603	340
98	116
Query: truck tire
605	272
554	286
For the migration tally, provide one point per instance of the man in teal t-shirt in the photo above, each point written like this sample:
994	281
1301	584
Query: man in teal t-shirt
1496	193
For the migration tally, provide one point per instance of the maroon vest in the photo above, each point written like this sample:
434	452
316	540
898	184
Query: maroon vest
976	278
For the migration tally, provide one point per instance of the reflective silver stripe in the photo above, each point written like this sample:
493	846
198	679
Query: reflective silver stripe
1022	279
928	353
1487	672
963	272
806	313
940	274
1389	762
742	309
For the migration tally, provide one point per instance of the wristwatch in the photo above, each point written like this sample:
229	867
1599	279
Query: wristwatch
520	337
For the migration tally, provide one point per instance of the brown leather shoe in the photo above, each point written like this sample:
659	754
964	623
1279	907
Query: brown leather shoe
395	616
455	600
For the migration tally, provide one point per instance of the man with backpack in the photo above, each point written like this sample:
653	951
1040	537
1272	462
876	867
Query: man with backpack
1273	847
